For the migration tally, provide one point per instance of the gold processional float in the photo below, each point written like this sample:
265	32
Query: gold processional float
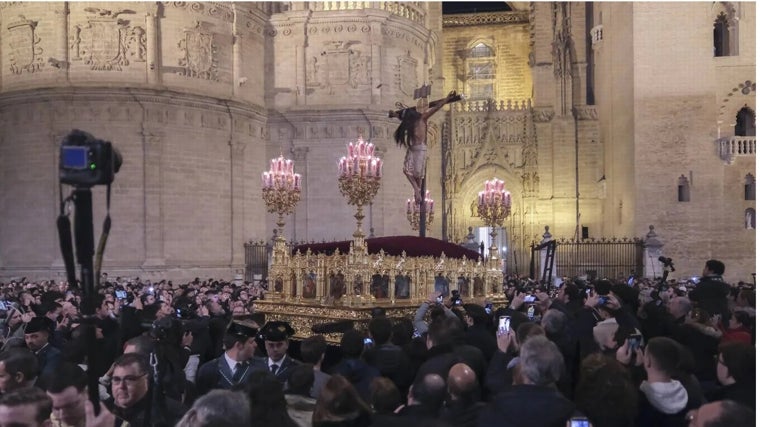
311	289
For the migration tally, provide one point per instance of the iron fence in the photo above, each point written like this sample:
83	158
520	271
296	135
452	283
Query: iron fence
611	258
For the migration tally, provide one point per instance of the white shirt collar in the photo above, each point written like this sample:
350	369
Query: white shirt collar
230	362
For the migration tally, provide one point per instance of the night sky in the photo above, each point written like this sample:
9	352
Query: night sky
450	7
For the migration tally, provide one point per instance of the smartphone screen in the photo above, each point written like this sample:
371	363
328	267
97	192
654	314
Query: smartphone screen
504	323
530	298
439	299
634	341
579	422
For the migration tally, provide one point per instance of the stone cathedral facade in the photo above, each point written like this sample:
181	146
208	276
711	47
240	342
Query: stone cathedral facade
602	119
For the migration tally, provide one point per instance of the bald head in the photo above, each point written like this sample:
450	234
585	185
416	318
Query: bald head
462	381
679	307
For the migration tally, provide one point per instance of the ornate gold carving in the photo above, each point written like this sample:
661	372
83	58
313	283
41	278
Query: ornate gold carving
490	18
199	53
25	54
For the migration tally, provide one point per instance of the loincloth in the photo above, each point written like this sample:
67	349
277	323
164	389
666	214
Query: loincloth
414	162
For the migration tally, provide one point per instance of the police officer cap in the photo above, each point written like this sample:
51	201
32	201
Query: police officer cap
38	324
241	330
277	331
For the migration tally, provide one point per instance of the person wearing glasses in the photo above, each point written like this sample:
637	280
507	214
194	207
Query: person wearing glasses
130	385
67	389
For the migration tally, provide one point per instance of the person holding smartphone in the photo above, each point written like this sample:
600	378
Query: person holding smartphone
437	303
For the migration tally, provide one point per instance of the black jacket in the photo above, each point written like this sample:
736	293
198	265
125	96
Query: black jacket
711	295
527	406
392	363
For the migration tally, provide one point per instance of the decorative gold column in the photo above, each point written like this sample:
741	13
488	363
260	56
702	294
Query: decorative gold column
494	205
360	174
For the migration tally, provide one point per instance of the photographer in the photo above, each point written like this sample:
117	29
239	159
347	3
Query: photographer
439	310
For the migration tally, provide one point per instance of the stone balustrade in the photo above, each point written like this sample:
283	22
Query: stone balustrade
413	11
737	146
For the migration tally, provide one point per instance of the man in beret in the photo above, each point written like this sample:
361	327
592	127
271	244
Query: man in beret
233	367
276	341
37	336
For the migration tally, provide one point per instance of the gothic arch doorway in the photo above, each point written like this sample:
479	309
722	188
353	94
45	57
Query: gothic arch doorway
464	214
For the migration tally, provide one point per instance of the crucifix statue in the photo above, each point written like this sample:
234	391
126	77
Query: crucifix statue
412	134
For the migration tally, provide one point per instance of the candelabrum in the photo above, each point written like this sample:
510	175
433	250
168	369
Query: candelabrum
281	190
359	176
494	205
413	212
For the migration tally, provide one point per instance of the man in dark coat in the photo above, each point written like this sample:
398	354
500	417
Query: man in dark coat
233	367
535	401
37	335
276	336
711	293
387	357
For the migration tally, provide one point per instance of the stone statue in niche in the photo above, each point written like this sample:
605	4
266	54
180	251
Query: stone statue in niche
199	53
103	43
25	52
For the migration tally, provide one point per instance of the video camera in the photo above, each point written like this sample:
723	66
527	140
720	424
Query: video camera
86	161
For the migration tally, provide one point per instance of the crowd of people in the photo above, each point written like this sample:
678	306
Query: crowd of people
580	353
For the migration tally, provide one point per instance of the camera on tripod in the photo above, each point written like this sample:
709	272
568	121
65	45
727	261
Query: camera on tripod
86	161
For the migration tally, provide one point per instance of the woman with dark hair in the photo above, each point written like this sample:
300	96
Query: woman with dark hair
268	405
605	392
339	405
735	370
385	397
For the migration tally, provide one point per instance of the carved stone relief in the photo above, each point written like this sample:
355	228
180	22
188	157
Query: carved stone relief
213	9
406	74
107	42
25	52
199	53
338	66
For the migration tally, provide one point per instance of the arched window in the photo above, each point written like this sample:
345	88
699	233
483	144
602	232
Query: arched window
481	71
749	219
683	189
749	187
721	39
481	50
745	122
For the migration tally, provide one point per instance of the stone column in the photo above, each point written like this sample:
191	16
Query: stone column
62	49
237	186
652	251
153	203
299	216
152	50
237	62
